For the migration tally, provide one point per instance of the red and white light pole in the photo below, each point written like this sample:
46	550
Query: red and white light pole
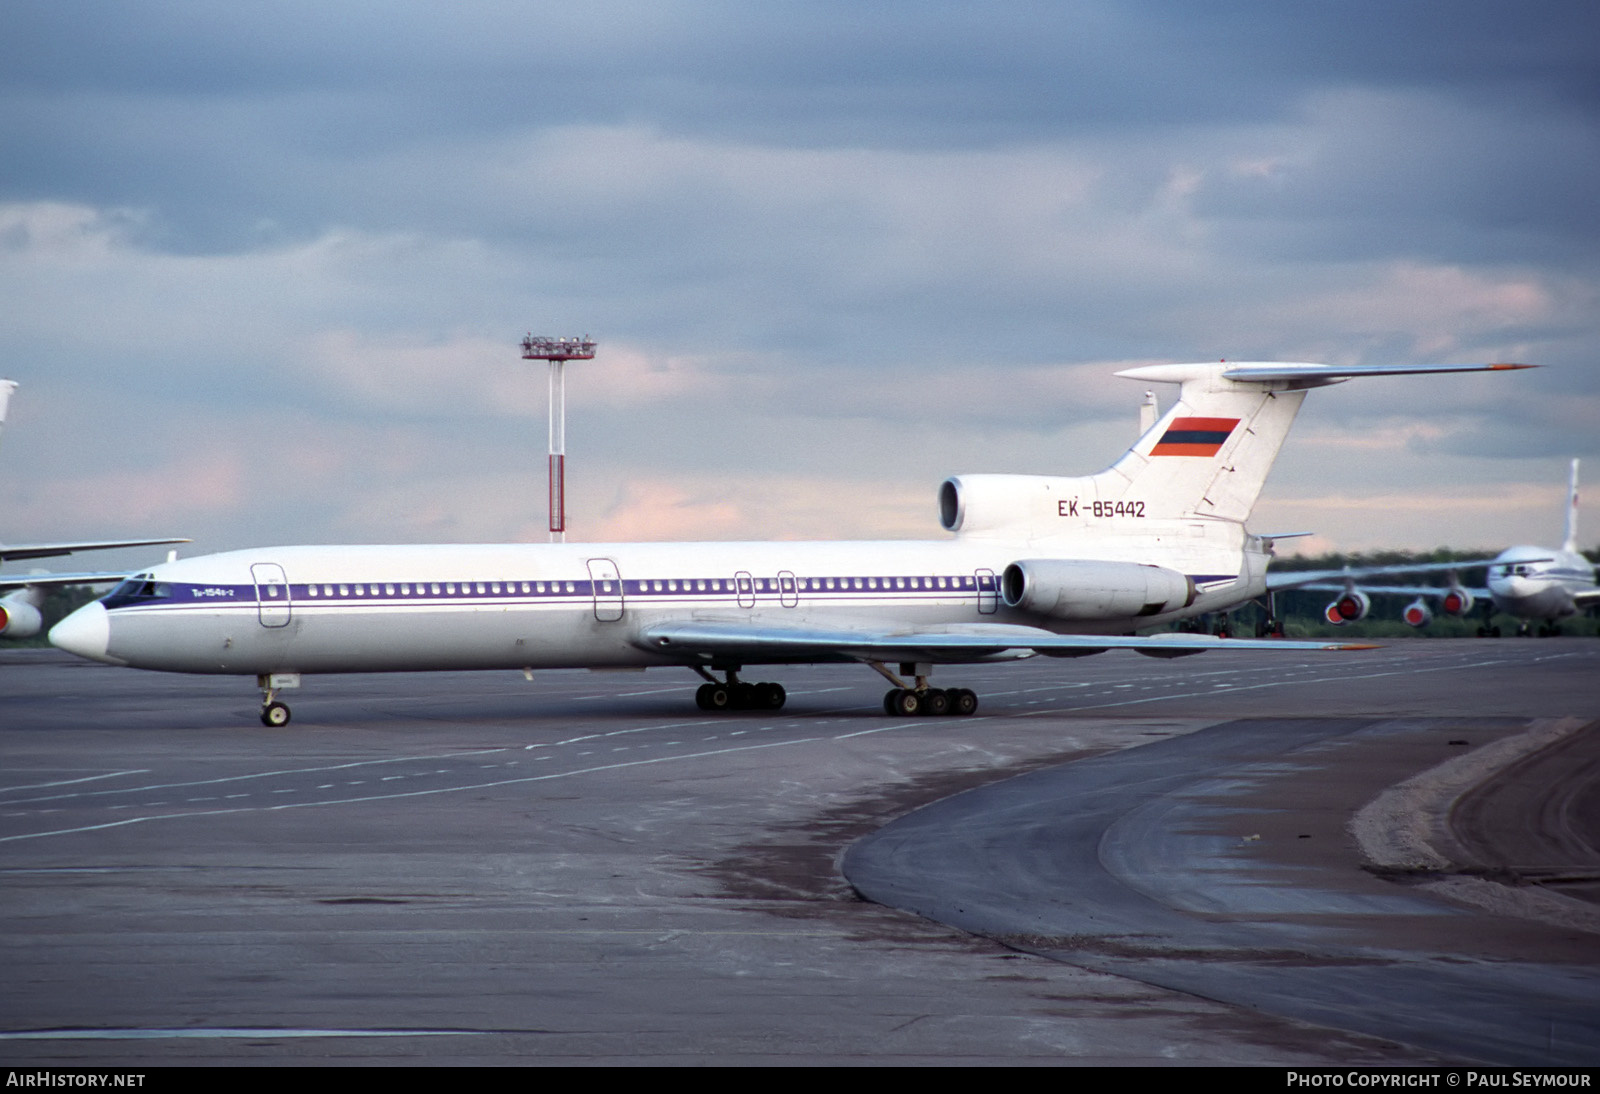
558	351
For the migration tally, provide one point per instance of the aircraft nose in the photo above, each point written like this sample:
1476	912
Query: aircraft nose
86	632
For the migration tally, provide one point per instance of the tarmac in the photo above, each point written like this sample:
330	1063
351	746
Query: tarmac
1371	858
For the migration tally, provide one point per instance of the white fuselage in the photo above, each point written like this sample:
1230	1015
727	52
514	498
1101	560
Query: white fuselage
1540	583
410	608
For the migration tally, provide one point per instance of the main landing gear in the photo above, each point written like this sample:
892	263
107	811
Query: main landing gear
737	695
905	702
910	702
1487	628
1271	625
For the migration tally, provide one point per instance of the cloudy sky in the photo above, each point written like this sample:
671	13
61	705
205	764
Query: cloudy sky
265	266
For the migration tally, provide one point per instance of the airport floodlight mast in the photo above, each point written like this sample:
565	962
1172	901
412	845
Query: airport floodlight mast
558	351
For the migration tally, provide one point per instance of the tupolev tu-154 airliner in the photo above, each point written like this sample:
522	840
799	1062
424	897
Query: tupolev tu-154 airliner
1036	564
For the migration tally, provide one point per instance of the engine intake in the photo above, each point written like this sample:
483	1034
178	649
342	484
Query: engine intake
1349	608
1417	613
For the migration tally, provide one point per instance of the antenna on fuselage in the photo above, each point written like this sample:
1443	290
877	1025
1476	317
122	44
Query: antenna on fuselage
558	351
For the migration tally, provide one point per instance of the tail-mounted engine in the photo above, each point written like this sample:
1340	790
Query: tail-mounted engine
988	503
1074	589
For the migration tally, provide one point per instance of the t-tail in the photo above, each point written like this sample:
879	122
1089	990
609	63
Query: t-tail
1205	460
6	388
1570	543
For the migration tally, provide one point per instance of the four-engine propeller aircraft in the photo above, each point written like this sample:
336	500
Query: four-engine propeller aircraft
1529	583
1054	565
19	608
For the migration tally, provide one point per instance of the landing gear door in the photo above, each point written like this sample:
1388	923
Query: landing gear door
272	594
607	584
988	593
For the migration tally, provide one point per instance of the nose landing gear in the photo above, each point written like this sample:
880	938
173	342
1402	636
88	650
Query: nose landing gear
275	715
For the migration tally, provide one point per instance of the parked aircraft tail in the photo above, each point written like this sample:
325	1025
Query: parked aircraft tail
6	388
1570	543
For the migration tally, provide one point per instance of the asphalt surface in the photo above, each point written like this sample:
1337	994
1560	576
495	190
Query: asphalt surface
455	867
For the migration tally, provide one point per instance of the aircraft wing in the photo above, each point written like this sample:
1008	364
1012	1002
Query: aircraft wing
1303	579
1394	590
23	581
971	642
51	550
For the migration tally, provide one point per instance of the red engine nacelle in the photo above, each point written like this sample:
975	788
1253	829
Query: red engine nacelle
1417	613
19	619
1456	601
1350	607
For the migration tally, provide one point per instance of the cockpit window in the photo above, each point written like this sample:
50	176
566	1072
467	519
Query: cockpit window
138	589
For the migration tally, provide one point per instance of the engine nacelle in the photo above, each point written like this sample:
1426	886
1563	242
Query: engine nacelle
984	503
1456	601
1077	589
1352	606
1417	613
19	618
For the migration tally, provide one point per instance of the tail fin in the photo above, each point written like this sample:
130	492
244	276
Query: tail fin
1570	543
1208	457
1210	454
6	388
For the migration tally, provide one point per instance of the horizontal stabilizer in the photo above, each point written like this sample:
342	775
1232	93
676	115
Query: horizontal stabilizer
1316	375
1295	374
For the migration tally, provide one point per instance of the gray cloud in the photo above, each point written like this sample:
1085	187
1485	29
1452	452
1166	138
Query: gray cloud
845	243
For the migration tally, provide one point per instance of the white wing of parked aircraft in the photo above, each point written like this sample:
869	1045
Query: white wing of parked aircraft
1035	564
1355	598
1532	584
19	610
